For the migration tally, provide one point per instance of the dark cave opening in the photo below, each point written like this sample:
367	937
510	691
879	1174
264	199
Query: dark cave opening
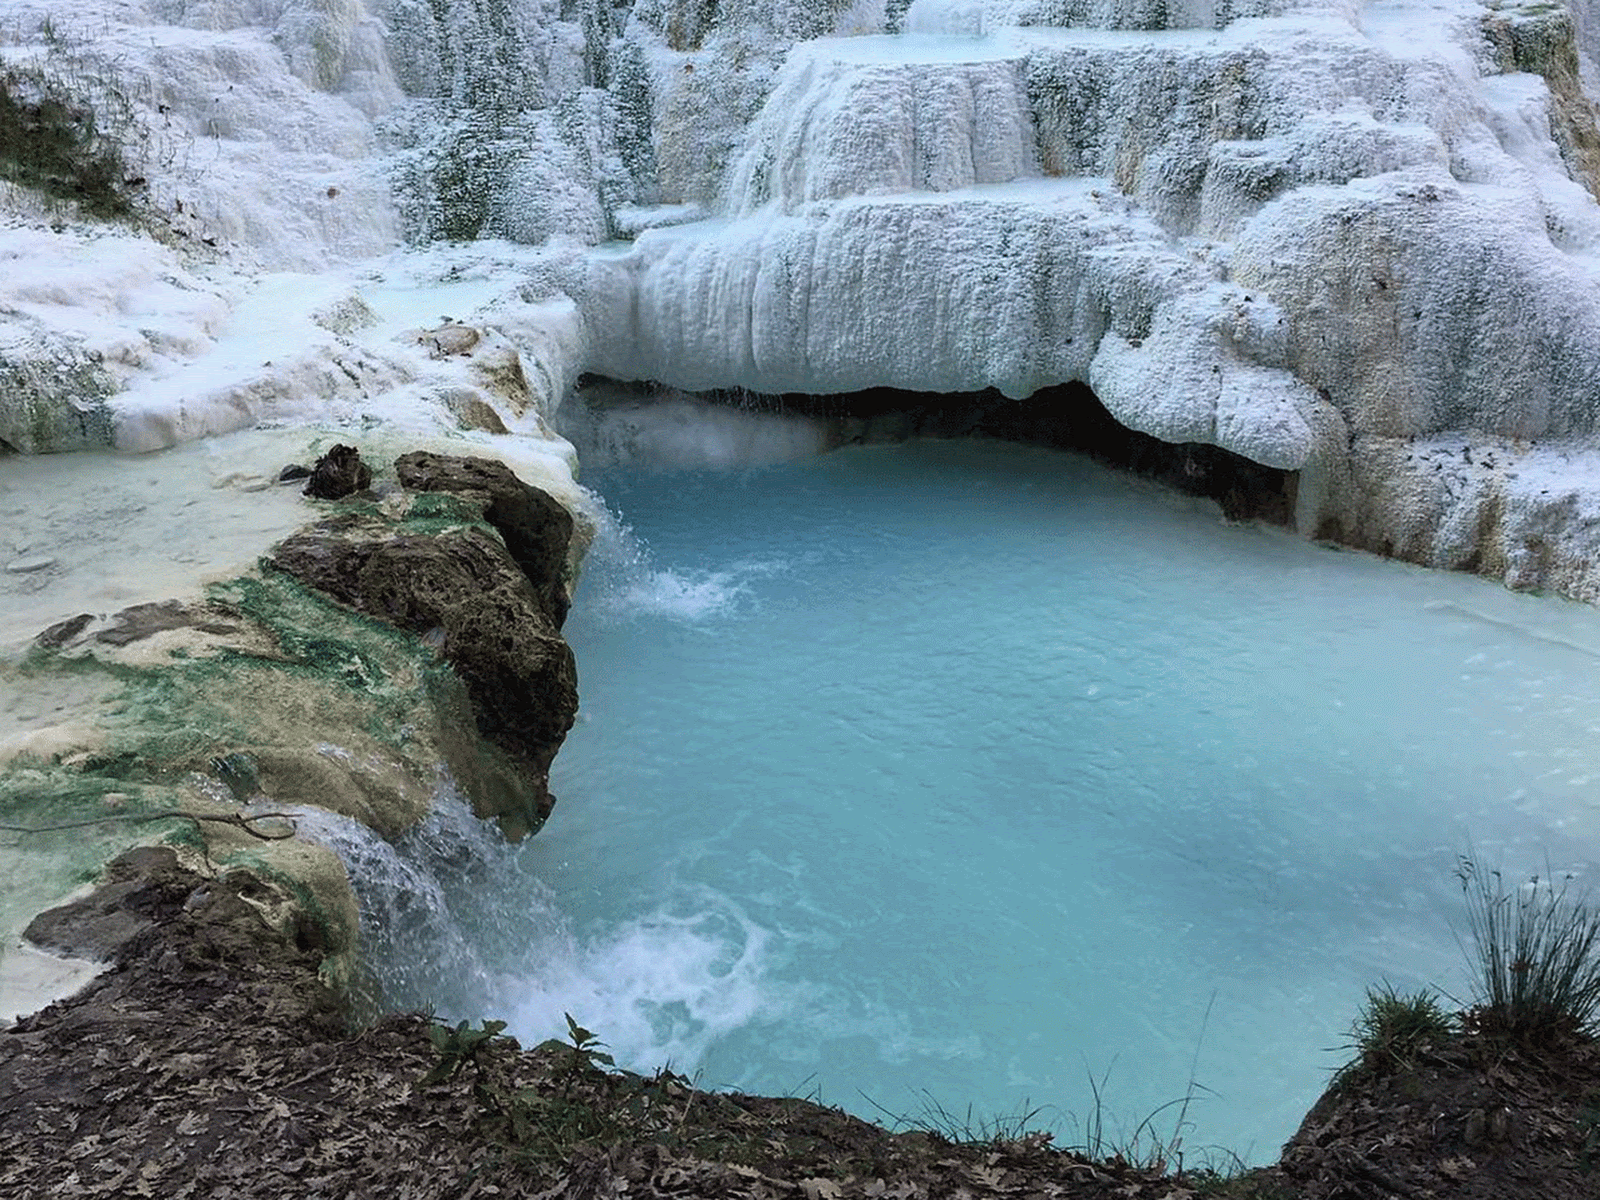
1066	416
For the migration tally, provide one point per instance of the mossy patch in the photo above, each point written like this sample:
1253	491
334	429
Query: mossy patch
52	141
272	691
54	401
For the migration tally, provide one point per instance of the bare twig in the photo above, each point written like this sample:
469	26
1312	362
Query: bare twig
238	820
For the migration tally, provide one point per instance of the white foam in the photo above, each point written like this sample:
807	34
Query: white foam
622	579
688	596
659	989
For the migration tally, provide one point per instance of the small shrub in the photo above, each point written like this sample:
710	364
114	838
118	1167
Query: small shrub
572	1105
584	1054
1392	1030
51	141
1535	956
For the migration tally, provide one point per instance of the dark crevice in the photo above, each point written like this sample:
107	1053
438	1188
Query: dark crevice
1067	416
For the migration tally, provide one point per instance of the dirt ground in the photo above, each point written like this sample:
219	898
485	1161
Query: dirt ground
212	1062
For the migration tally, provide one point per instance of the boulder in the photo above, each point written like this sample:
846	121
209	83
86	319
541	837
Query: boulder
339	473
489	605
536	527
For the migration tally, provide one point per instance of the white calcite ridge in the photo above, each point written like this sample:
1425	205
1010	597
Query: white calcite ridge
1308	231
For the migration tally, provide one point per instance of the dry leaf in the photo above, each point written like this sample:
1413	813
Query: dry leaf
988	1176
191	1124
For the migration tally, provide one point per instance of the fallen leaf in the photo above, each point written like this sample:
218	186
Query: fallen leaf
988	1176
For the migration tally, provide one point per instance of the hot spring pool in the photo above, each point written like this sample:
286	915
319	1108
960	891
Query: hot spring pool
953	774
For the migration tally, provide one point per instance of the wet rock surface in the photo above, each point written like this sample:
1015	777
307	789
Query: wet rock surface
491	605
537	529
146	620
337	474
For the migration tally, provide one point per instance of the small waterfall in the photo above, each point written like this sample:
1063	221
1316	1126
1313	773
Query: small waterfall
613	425
456	921
432	902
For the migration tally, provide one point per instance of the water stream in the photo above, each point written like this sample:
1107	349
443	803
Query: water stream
959	773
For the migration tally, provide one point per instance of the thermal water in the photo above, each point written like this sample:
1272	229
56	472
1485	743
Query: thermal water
972	778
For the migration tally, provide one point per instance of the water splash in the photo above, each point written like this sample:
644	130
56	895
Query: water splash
663	988
623	580
452	917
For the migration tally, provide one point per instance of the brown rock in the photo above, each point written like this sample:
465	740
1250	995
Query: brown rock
145	620
63	632
489	606
536	527
449	339
472	411
338	473
126	904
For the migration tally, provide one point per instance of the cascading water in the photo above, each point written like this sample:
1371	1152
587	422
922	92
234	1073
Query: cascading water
960	773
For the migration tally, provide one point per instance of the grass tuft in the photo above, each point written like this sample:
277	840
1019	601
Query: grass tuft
1151	1147
1392	1031
1534	956
968	1129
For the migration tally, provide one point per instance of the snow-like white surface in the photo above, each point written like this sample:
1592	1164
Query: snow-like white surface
984	16
267	283
1264	229
815	302
1257	225
238	150
866	116
1014	286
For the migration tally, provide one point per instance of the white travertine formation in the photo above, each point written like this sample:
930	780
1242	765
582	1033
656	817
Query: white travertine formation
1309	231
1304	232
